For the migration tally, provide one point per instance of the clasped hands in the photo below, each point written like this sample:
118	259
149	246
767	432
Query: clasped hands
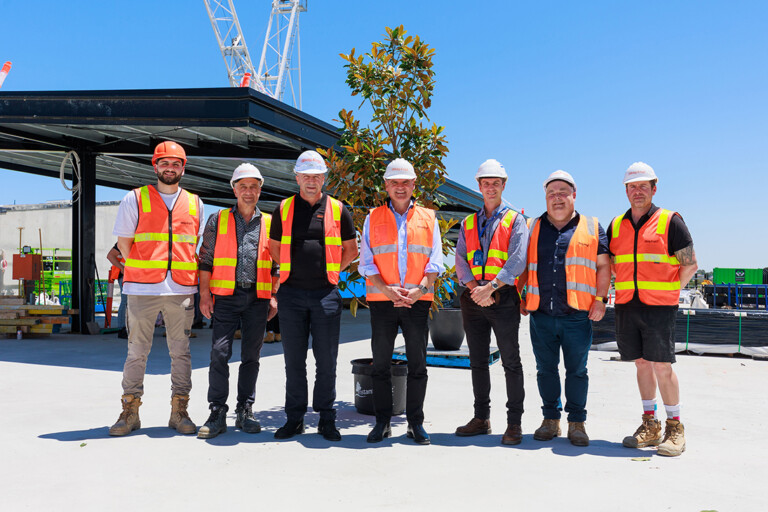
483	295
402	297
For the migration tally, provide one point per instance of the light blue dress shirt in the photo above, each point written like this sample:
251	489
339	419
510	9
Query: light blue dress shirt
517	251
367	267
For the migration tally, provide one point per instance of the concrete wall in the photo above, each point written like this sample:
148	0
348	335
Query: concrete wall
55	221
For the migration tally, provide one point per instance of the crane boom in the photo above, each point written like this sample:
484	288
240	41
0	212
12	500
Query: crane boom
231	41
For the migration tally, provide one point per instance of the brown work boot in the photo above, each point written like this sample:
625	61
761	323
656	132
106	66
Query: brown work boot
548	430
269	337
179	417
577	434
647	434
129	418
674	439
513	435
475	427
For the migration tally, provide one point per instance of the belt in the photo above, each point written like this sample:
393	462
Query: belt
245	285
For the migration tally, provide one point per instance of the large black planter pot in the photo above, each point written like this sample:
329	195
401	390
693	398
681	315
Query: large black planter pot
446	329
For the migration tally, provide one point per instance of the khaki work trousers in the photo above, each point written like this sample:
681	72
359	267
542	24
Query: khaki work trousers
178	313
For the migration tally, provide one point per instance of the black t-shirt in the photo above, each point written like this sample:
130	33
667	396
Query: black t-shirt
308	241
679	238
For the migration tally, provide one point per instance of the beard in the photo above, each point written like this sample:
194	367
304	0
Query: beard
169	181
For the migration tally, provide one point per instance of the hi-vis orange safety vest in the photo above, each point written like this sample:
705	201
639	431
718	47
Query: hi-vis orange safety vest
164	240
497	251
580	265
382	231
641	261
332	228
225	257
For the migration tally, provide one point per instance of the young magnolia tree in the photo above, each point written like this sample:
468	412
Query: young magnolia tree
395	81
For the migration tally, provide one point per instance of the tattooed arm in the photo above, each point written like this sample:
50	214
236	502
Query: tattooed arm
688	265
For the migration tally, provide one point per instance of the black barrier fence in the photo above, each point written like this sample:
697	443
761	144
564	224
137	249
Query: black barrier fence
707	326
739	296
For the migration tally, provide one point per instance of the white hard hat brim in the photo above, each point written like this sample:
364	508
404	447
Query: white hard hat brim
641	178
401	176
312	171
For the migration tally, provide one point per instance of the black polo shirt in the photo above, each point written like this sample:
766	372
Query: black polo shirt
552	248
308	241
679	238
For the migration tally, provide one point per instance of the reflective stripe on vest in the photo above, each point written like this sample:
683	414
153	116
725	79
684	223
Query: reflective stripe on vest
332	238
164	240
641	261
223	277
497	250
382	233
580	265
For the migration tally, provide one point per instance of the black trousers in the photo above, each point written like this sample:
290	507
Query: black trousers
504	318
305	312
229	313
385	320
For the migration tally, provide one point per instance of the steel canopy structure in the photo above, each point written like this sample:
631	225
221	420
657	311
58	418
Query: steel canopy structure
114	134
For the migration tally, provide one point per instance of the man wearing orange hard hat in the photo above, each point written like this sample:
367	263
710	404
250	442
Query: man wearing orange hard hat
158	227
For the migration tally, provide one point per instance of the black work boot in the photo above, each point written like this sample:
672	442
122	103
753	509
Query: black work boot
245	420
216	423
327	429
290	429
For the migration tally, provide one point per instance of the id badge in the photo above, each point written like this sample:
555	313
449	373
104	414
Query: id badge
477	258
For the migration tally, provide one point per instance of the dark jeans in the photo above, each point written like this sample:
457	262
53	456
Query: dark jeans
305	312
385	320
504	318
228	312
573	334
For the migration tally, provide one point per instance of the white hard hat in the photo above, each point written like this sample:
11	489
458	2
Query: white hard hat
310	162
491	169
245	170
399	169
560	176
639	171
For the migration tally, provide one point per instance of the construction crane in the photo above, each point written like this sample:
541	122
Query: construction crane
280	63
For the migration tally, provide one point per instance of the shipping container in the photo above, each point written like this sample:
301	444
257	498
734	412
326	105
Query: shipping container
737	276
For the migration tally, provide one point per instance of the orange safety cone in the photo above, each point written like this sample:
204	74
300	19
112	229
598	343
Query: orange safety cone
246	80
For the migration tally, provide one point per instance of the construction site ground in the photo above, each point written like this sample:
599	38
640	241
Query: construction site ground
60	394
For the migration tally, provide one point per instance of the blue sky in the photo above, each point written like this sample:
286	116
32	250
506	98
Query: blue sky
588	87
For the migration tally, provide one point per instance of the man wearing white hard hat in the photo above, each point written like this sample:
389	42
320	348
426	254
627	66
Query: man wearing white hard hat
567	281
652	259
236	268
490	255
401	256
313	240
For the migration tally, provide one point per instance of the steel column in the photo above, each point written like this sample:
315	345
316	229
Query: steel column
84	243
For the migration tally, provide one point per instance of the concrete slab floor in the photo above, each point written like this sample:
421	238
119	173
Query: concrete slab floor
61	394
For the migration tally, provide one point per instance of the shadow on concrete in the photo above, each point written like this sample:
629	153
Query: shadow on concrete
107	351
158	432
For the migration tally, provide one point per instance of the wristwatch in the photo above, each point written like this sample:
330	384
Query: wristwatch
494	285
423	289
601	299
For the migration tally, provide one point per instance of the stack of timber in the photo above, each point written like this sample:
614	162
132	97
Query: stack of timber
32	319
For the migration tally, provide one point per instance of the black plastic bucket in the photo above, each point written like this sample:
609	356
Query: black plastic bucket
362	369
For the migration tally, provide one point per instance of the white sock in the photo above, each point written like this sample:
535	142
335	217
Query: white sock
649	407
673	411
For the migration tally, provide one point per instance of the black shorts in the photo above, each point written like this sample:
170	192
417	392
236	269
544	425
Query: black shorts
647	332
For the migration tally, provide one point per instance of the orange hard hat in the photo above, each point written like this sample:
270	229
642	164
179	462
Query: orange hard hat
169	149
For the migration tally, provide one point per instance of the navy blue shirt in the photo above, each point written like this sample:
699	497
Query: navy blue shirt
552	247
